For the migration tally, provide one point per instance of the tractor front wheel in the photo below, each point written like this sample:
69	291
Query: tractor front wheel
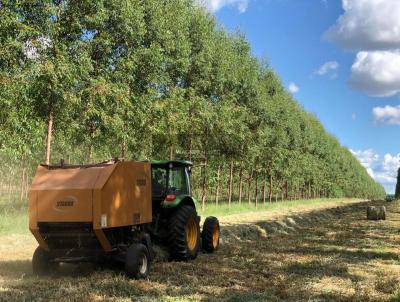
211	234
184	234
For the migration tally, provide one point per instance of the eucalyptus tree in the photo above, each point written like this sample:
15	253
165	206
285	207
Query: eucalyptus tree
150	79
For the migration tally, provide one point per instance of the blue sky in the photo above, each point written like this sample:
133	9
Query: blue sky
338	66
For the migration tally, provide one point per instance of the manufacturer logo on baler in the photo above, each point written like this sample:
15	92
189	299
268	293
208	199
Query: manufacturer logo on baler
65	203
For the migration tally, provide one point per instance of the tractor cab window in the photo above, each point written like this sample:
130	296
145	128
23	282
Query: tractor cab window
178	181
159	181
172	180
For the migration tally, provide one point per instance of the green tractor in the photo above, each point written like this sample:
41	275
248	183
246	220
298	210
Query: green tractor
175	220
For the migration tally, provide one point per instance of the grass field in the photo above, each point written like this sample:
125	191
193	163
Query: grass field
305	252
14	216
14	212
235	208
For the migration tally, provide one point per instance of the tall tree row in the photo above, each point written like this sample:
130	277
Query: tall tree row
150	79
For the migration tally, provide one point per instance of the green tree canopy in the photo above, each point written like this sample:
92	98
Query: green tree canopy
150	79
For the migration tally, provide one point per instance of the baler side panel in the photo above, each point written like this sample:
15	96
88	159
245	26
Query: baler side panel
145	203
105	243
126	196
97	194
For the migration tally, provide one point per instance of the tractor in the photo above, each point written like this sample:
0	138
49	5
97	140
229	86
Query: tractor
115	211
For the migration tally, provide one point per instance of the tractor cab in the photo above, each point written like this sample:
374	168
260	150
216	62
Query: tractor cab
175	219
170	181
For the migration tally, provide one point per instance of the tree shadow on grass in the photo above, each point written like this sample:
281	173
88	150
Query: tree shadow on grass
253	265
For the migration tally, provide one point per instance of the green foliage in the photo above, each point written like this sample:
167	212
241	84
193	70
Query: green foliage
155	80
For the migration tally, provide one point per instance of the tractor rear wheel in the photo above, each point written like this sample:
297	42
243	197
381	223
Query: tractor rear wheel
184	233
137	261
210	235
41	262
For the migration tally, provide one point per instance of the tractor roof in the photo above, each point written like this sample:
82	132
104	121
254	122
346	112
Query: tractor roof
176	163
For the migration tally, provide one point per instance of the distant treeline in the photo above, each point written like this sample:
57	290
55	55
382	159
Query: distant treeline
151	79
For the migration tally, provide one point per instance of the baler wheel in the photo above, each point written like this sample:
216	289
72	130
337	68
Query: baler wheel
184	234
137	261
210	234
41	262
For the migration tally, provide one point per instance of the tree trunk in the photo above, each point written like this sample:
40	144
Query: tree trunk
190	149
217	185
230	184
240	185
286	190
90	147
123	149
249	187
27	182
123	144
9	189
270	188
204	186
125	129
22	185
171	152
90	153
264	190
48	139
256	197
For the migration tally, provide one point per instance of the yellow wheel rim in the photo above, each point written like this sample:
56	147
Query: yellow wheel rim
191	234
215	236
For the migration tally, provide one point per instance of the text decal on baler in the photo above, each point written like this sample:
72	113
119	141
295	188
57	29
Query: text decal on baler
65	203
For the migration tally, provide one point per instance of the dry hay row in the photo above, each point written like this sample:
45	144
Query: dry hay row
284	225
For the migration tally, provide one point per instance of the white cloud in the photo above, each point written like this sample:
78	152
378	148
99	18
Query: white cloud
373	28
327	67
387	174
215	5
354	116
368	158
383	170
293	88
367	25
387	115
377	72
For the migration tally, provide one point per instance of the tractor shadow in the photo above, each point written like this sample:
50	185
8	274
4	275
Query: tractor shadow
23	268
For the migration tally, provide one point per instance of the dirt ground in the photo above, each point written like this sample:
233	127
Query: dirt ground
322	254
